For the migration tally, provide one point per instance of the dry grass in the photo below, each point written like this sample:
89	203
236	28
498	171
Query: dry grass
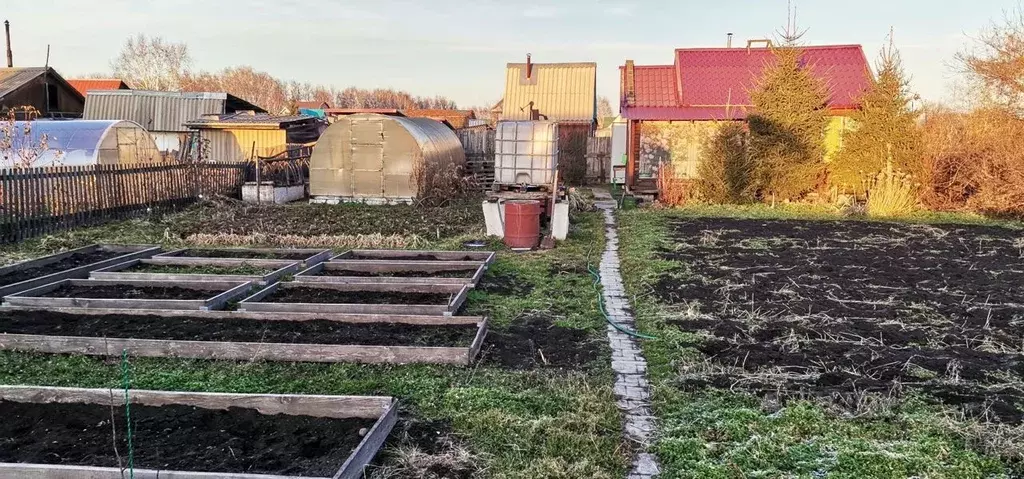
412	463
370	241
891	193
673	191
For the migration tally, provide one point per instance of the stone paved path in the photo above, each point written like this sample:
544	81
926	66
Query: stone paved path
632	391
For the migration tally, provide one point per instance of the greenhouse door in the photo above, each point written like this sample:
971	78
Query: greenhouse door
367	160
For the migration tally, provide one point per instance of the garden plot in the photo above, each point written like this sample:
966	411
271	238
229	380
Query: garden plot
421	272
136	294
76	263
372	298
308	257
244	336
414	255
262	271
81	434
837	310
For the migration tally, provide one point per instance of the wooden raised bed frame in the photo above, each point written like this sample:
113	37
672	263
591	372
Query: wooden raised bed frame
81	272
316	255
248	351
486	257
459	292
383	409
225	291
312	274
117	273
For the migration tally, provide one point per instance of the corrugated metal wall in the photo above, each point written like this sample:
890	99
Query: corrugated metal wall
237	145
561	92
155	111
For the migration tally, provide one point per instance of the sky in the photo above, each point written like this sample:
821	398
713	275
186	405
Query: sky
459	48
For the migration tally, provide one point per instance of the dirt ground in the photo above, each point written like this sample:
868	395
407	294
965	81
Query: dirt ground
243	330
178	438
839	309
464	273
534	341
223	253
324	295
73	261
129	292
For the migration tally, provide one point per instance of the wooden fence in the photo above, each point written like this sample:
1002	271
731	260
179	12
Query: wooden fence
38	201
599	154
479	146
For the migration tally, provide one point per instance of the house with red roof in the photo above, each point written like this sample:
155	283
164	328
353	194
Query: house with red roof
671	109
84	85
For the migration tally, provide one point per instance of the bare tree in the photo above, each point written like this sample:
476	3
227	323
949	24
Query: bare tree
150	63
996	63
19	147
604	107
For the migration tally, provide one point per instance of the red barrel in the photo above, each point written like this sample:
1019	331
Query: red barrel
522	224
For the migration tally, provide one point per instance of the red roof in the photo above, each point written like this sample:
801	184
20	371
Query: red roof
706	82
84	85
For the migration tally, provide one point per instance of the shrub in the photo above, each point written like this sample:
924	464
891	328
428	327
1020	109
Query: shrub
891	193
672	190
725	171
787	127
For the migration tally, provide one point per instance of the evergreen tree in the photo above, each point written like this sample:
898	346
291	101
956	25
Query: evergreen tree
724	172
885	129
787	128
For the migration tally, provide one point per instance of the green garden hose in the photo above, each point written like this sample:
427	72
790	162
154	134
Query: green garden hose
604	312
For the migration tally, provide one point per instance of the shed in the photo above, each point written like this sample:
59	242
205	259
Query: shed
162	113
672	109
83	142
458	119
41	88
384	159
238	137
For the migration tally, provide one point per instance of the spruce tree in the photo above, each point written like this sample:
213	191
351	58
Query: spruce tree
724	173
885	129
787	127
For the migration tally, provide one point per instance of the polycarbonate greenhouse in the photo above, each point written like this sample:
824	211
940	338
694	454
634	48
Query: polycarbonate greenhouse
78	142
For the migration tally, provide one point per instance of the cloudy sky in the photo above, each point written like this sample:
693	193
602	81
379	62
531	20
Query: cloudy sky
458	48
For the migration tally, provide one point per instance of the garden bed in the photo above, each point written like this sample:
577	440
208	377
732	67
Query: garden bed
142	294
421	272
74	264
415	255
308	257
213	269
71	433
381	298
240	336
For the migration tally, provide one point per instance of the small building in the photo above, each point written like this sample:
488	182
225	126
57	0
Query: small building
312	105
672	109
41	88
564	93
83	142
85	85
381	159
458	119
163	114
243	136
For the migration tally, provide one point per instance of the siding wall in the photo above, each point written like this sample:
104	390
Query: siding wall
233	146
559	91
155	111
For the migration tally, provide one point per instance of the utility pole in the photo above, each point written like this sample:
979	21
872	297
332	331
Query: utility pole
10	55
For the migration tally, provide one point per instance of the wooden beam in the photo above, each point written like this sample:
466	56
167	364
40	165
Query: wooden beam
217	315
131	252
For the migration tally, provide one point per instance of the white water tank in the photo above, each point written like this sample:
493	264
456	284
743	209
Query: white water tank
525	152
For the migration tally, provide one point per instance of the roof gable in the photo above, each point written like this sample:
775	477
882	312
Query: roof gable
84	85
557	91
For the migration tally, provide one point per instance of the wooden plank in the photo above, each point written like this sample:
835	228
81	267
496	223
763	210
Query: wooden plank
116	273
376	265
337	407
75	273
478	342
459	300
316	255
215	315
327	308
400	254
223	262
368	447
238	351
34	297
381	287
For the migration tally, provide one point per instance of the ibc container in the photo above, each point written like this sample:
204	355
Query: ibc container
525	152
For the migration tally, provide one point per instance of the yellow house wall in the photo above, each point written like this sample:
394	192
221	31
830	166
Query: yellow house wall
236	145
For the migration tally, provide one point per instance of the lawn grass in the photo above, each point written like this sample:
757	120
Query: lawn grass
715	433
536	423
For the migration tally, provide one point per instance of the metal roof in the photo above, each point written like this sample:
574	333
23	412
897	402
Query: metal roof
159	110
247	120
456	118
84	85
13	78
714	83
558	91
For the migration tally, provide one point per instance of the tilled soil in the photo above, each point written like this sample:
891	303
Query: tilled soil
129	292
838	309
197	269
180	438
462	273
220	253
323	295
71	262
534	341
240	330
412	257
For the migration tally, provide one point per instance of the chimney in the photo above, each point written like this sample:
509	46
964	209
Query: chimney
529	67
728	41
10	54
630	86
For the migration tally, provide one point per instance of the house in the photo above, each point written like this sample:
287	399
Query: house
242	136
41	88
85	85
458	119
162	113
671	109
312	105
